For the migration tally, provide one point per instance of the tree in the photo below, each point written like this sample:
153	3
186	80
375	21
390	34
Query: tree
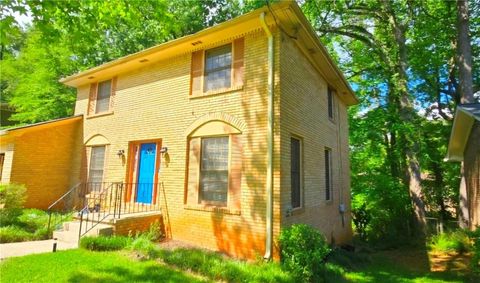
31	80
464	58
69	36
381	27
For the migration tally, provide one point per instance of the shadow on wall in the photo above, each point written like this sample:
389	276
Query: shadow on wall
246	237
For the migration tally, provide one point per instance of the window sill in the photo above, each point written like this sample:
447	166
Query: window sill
217	92
297	211
100	114
212	208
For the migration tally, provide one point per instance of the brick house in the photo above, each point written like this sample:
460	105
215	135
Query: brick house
233	132
30	154
464	145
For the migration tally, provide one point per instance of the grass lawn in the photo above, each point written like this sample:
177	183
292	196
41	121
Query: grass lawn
30	225
409	266
86	266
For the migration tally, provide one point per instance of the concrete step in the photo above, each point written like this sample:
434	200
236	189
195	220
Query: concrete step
69	233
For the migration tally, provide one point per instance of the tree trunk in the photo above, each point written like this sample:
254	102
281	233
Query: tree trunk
464	62
407	117
464	52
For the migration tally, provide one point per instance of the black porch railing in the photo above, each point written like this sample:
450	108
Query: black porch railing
65	206
113	200
93	203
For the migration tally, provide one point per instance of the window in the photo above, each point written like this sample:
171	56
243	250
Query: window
103	96
295	171
214	170
218	68
2	160
97	159
328	174
330	103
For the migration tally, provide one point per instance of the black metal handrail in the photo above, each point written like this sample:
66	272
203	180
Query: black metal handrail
96	207
139	198
115	200
59	210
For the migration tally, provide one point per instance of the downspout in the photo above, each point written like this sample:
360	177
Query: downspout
269	212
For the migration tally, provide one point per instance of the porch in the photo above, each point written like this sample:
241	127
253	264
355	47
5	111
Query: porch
104	209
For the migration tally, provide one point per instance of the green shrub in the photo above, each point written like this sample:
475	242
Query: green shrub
33	219
220	268
145	247
10	234
457	241
104	243
43	233
303	250
475	238
12	198
154	232
361	219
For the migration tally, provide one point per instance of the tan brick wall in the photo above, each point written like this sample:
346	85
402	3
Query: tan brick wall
133	225
304	114
154	102
45	161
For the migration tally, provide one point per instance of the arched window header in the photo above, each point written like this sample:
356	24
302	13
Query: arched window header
215	124
214	128
97	140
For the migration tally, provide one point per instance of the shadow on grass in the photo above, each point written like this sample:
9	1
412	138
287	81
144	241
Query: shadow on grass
217	267
150	273
389	266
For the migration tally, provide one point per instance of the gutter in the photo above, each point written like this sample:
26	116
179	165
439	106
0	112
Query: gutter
269	212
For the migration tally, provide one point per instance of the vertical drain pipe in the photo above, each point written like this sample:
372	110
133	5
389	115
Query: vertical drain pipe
269	212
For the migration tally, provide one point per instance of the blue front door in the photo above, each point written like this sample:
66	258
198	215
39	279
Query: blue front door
146	172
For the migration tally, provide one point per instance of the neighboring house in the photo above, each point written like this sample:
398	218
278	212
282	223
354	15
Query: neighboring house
42	156
234	132
464	146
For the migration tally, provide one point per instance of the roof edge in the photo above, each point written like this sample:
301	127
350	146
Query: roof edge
73	118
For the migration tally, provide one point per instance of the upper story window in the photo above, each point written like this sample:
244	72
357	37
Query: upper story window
103	96
218	68
330	102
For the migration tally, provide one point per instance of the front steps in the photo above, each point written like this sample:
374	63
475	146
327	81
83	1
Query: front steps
69	231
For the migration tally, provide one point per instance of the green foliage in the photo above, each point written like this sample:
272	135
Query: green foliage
143	242
28	225
303	250
144	246
218	267
79	265
11	233
12	198
154	233
475	238
104	243
457	241
361	219
33	219
32	80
